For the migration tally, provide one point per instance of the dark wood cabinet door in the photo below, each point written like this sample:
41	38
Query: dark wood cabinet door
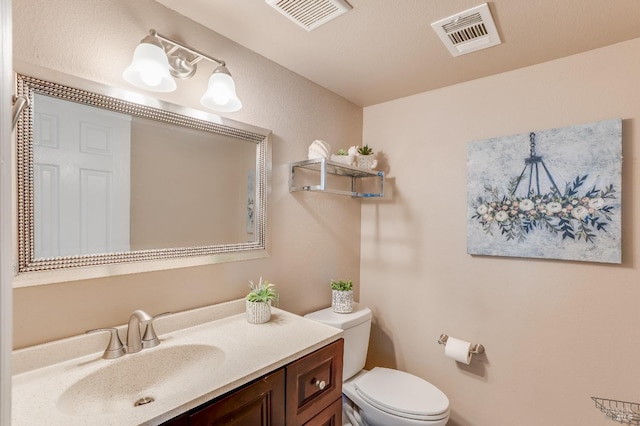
259	404
182	420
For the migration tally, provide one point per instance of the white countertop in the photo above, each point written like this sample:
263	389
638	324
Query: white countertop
247	351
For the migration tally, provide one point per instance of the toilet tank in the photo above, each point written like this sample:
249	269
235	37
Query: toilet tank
356	326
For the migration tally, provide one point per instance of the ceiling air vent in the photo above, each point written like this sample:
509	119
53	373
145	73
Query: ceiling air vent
310	14
468	31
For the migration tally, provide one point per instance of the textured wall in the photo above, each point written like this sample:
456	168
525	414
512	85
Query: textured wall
556	332
314	237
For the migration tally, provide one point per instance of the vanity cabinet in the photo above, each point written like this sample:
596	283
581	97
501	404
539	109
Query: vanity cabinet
305	392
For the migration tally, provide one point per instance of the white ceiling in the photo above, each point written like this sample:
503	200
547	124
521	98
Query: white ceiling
386	49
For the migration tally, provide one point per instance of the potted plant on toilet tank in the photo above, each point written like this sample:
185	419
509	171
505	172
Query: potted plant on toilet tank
342	296
259	301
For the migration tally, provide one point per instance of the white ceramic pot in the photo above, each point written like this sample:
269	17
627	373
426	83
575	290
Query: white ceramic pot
342	301
344	159
367	161
258	312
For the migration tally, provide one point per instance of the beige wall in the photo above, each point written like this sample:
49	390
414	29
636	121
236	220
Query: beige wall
555	332
314	237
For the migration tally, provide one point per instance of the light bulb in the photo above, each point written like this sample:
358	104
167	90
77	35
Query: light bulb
149	68
151	75
221	92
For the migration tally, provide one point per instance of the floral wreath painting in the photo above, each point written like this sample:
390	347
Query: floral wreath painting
553	194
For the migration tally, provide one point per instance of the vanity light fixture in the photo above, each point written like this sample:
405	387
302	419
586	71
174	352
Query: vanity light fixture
158	59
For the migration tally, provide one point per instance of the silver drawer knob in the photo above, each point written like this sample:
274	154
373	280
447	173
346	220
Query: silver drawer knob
320	384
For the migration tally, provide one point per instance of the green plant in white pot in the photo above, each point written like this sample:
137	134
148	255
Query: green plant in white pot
366	158
259	301
342	296
345	156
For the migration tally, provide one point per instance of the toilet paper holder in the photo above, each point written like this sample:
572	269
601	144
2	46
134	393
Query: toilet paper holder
476	348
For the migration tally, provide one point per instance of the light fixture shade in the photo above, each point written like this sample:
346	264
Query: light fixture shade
221	92
149	68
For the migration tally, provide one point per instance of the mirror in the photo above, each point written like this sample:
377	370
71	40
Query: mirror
104	180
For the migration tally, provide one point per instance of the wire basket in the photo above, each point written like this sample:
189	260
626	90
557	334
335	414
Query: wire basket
620	411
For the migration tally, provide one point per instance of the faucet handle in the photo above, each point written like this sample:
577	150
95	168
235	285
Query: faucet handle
115	348
150	338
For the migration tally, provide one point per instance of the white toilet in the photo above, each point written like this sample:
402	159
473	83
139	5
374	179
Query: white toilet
381	396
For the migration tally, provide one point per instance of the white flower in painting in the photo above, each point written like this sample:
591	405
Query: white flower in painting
526	205
580	212
554	207
482	209
501	216
596	203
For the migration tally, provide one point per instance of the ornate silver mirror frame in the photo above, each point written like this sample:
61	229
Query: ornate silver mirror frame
152	109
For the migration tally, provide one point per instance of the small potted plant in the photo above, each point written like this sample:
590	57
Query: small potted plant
365	150
366	158
259	301
345	156
342	296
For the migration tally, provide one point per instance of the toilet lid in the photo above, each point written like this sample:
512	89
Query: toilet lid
402	394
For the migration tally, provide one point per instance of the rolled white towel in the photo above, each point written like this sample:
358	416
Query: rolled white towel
319	149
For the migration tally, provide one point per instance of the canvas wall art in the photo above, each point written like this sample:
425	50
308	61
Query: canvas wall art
552	194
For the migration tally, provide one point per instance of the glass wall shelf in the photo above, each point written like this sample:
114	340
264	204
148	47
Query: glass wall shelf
344	179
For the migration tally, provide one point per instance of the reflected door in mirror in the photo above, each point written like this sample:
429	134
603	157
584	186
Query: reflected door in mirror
81	179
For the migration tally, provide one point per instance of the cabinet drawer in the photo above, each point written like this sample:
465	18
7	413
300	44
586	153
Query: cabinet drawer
313	383
330	416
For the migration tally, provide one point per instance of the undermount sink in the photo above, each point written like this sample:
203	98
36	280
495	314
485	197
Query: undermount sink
141	378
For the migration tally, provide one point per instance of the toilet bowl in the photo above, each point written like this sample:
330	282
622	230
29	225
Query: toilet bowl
385	396
381	396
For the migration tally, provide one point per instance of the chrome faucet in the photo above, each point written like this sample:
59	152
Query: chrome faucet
134	341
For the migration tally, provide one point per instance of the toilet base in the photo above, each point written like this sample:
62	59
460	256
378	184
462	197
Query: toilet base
350	413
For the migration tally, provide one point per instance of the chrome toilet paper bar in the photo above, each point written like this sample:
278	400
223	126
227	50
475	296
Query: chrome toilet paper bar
476	348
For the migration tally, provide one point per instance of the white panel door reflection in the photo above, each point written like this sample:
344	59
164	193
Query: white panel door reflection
82	161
